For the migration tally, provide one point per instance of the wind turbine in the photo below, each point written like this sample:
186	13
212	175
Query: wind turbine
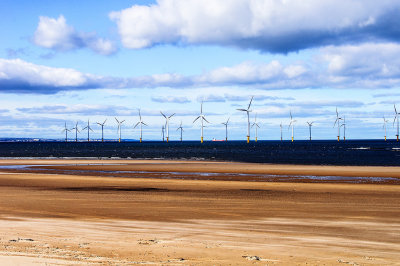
338	124
344	128
181	128
396	117
162	129
226	129
256	125
281	130
202	117
141	123
76	131
66	130
167	123
384	125
102	129
248	118
119	128
291	124
88	129
309	127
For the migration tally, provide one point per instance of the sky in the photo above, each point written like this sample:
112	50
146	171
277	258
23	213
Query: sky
74	61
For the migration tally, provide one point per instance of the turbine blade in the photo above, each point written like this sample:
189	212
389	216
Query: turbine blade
196	119
163	114
206	120
171	115
116	120
144	124
136	124
104	121
395	109
244	110
250	102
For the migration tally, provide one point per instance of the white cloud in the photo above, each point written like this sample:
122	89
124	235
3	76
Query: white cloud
56	34
267	25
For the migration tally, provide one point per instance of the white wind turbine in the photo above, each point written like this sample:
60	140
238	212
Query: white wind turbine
248	118
309	127
76	131
256	125
119	128
202	117
88	129
291	124
396	117
338	124
66	130
181	128
141	123
102	129
384	125
281	131
226	129
167	118
162	132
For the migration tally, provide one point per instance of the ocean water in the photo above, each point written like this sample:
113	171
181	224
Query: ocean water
351	152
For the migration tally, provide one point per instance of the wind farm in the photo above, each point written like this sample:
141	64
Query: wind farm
173	132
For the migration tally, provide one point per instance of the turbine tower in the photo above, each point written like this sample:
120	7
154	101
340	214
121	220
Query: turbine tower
119	128
76	131
309	127
248	118
202	117
396	117
344	128
256	125
88	129
162	129
384	125
291	124
226	129
141	123
102	129
167	123
281	131
181	128
338	124
66	130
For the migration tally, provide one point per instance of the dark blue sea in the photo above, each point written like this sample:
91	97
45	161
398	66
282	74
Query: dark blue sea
351	152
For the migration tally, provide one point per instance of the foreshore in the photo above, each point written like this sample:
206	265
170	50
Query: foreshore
75	211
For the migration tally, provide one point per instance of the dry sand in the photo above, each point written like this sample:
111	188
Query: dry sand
50	217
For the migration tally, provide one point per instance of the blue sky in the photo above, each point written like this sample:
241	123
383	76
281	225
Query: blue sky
69	61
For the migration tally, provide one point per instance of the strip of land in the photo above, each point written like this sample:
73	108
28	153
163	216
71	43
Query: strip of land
48	217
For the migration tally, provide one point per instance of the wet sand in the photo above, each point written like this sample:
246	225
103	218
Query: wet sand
54	218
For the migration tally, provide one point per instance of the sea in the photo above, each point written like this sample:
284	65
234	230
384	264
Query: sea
316	152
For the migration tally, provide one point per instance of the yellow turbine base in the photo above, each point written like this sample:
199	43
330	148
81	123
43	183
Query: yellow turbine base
119	140
292	139
338	139
201	140
256	139
385	138
397	137
167	139
140	140
248	139
344	138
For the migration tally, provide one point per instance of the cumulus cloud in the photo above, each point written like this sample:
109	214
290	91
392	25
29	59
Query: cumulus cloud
265	25
56	34
366	66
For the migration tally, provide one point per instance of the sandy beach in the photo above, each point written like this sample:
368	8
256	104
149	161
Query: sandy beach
125	212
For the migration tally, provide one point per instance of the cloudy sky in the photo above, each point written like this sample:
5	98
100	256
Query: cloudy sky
69	61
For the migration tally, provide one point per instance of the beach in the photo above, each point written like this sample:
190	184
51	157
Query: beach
197	213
